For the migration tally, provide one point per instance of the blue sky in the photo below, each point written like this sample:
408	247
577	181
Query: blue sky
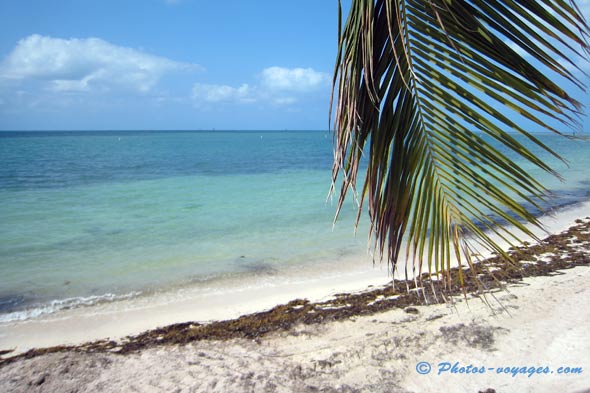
163	64
167	64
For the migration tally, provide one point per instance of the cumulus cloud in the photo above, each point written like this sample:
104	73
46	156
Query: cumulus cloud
219	93
277	85
85	64
293	79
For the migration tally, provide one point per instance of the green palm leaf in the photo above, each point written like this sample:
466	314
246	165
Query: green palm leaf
423	87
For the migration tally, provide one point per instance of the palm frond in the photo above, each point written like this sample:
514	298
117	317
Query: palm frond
423	88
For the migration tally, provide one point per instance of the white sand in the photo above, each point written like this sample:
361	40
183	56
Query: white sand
131	317
542	323
119	319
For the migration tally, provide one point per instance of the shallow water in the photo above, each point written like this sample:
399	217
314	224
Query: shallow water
95	217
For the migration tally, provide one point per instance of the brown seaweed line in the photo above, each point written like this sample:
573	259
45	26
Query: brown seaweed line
564	251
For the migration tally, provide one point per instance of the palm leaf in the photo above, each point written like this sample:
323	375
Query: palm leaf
429	91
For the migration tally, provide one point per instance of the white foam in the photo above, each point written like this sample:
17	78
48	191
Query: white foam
63	304
86	319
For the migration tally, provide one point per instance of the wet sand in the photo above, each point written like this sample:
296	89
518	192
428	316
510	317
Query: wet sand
531	327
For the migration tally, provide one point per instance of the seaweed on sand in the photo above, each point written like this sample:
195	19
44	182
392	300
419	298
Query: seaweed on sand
557	252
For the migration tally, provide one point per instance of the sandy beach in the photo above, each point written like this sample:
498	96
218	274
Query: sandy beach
542	324
526	337
230	300
290	197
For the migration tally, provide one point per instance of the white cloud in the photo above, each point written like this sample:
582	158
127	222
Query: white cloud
284	100
219	93
85	64
277	86
293	79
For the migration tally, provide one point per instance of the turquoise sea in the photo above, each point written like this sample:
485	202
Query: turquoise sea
89	217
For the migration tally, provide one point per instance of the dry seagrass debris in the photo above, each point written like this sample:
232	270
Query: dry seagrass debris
557	252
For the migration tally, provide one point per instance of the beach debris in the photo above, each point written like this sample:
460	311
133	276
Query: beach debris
474	335
411	310
40	380
555	253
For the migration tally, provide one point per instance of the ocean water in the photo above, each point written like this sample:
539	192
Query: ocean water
91	217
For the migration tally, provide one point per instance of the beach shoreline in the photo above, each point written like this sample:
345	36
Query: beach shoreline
533	323
118	320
